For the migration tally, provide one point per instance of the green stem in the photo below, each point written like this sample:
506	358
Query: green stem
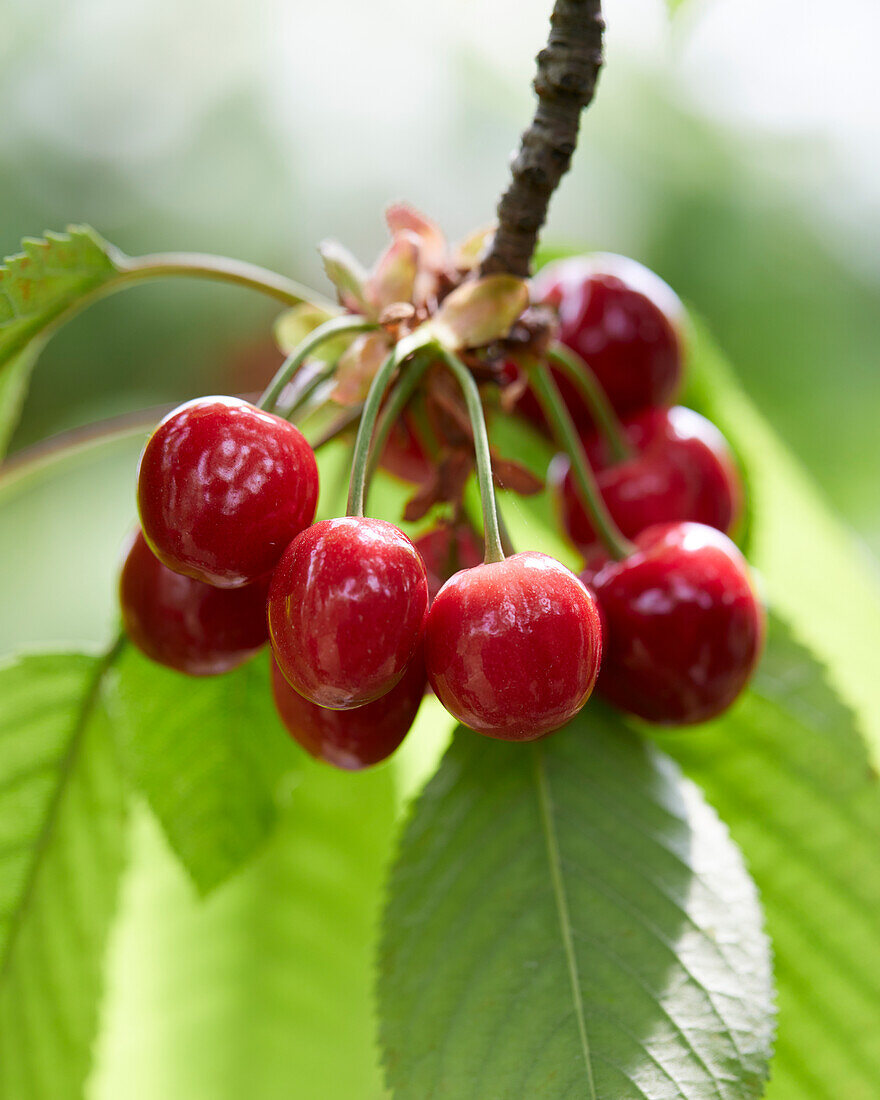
399	353
560	421
602	411
491	531
336	327
395	405
220	269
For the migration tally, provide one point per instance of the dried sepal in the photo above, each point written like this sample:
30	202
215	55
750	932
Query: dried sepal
480	311
357	368
402	218
467	253
346	273
296	323
394	276
515	478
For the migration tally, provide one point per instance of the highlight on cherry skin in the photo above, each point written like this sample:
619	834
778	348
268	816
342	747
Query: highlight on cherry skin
356	738
223	487
513	647
682	470
346	610
683	625
624	321
184	624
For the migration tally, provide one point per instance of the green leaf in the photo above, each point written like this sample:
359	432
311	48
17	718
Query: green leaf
262	990
479	312
62	840
37	287
815	571
570	919
789	772
209	754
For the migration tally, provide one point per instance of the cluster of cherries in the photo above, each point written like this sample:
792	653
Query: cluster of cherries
360	618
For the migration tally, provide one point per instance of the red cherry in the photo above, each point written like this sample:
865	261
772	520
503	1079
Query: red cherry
352	739
683	625
513	647
447	549
624	321
682	471
189	626
222	489
346	609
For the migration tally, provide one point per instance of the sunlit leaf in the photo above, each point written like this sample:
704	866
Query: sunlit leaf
566	919
37	287
789	771
62	841
210	755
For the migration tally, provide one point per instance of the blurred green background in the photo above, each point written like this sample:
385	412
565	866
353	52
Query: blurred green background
736	151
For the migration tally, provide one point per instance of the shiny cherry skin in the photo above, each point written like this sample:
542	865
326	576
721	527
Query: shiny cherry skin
513	647
223	488
624	321
347	607
352	739
446	549
683	625
683	470
185	624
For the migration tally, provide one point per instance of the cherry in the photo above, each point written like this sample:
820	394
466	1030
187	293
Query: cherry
624	321
682	471
357	738
513	647
222	489
445	550
346	606
189	626
683	625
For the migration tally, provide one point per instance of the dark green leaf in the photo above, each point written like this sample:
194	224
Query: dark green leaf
37	287
789	772
62	838
210	755
570	919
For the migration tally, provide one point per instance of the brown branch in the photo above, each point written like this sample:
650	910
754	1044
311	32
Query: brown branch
568	69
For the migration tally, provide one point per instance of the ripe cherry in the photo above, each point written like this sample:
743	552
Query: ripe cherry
357	738
347	605
185	624
682	470
683	625
624	321
513	647
222	489
445	550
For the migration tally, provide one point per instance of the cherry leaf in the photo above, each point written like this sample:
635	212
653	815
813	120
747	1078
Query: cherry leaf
345	272
480	311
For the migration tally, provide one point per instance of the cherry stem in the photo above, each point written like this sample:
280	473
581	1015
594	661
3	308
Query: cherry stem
360	459
220	269
395	405
579	373
335	327
494	549
559	418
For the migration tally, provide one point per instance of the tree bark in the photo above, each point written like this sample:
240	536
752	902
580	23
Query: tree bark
568	69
